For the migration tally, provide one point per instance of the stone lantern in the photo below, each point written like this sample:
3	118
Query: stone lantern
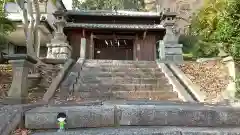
59	47
173	50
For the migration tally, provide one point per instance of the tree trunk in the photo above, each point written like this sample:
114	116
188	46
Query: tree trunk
36	28
23	11
30	37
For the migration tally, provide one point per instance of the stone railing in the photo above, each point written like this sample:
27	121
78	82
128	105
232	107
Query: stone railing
191	88
69	84
57	80
178	87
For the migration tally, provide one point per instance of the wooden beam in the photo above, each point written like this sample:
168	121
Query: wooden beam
83	33
91	50
112	37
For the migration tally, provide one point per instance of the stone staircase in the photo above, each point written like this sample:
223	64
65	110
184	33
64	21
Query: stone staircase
116	79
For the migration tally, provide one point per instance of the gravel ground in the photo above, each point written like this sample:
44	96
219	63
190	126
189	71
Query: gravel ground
211	76
5	80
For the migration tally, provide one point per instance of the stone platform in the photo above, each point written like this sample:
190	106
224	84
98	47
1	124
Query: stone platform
10	117
147	131
112	114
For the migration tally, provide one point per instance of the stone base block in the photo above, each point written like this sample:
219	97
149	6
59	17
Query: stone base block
174	58
14	100
148	131
77	116
108	115
10	118
199	116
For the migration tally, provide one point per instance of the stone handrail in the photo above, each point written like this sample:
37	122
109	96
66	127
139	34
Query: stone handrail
177	86
56	82
68	84
193	89
20	56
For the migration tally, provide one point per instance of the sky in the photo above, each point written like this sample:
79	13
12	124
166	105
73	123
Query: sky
68	4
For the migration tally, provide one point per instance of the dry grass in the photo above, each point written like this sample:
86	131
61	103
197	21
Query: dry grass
211	76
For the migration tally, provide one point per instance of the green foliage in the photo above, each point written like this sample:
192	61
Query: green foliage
203	26
54	2
6	26
217	23
205	49
109	4
187	41
228	28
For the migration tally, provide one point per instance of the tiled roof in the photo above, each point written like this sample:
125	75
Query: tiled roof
115	26
113	13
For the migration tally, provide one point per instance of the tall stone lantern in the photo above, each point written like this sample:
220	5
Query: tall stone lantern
59	47
173	50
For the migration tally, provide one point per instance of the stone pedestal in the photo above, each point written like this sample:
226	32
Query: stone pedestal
18	92
173	50
59	47
58	50
174	53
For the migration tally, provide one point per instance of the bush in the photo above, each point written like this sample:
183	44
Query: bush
187	41
196	47
205	50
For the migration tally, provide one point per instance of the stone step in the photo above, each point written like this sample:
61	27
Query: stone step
153	65
121	69
124	80
147	130
112	115
119	62
123	87
123	74
148	95
128	95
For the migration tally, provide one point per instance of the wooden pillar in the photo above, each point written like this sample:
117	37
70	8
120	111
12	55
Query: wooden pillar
155	50
134	49
161	50
91	49
138	51
83	48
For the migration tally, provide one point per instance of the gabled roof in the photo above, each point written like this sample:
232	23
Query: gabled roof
119	13
115	26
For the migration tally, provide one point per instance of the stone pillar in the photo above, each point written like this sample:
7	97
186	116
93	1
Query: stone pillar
39	44
138	52
18	92
173	50
59	47
161	50
83	48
